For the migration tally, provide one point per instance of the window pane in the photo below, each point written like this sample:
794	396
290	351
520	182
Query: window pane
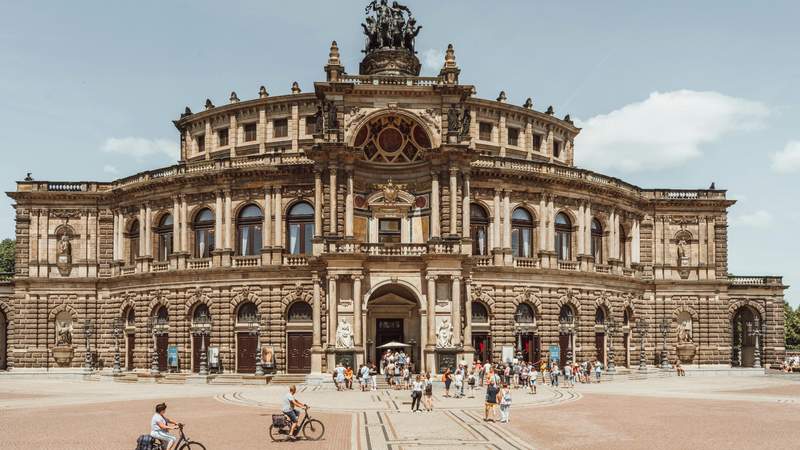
280	128
250	132
308	237
526	242
294	239
515	242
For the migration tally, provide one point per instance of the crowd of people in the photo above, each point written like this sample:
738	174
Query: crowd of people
792	364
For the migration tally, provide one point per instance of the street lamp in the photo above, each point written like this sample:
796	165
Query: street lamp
641	329
663	327
255	330
203	328
611	329
413	343
755	331
567	326
87	356
157	327
116	331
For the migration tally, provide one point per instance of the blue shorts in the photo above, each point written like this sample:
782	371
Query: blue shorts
292	415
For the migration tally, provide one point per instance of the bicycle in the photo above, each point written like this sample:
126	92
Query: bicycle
183	443
312	429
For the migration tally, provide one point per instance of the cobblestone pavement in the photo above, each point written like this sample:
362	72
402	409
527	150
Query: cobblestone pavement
674	413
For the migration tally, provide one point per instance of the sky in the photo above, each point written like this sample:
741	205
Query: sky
675	94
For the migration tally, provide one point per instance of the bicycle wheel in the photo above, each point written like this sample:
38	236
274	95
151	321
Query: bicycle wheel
276	435
191	445
313	430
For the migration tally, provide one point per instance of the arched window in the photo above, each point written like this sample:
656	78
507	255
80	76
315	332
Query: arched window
300	229
622	240
248	231
478	229
247	312
524	314
133	242
164	235
479	313
130	318
521	233
566	314
563	233
300	312
599	316
627	316
597	241
161	314
203	233
201	311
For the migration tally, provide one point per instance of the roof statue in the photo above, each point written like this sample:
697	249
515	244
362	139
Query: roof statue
391	32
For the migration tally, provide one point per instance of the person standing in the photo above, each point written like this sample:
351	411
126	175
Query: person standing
568	375
373	374
534	377
491	402
598	371
416	393
459	382
447	377
505	403
472	381
428	393
365	378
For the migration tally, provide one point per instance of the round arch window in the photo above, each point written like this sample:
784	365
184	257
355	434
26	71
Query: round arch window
392	138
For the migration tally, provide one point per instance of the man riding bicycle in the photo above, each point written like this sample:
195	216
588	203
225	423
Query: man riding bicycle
289	403
159	425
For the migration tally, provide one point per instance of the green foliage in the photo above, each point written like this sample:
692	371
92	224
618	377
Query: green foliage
7	255
791	325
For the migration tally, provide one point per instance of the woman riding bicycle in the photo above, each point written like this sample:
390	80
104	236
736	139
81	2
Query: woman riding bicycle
289	403
159	425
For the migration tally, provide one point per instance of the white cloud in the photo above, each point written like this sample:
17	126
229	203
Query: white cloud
665	130
433	58
788	159
758	219
140	148
110	169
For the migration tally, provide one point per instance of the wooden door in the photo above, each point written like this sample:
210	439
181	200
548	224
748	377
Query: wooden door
162	342
3	342
130	346
197	345
600	345
246	344
298	359
626	337
564	346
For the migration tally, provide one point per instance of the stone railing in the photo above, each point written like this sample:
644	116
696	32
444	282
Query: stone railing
379	80
684	194
444	247
246	261
602	268
295	260
394	249
755	281
127	270
568	265
527	263
199	264
628	272
344	247
66	187
159	267
481	261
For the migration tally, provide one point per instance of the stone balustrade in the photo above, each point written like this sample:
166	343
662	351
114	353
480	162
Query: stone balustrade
159	266
526	263
295	260
755	281
199	264
568	265
246	261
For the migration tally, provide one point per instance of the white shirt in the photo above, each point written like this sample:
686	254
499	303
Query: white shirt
417	386
288	402
157	418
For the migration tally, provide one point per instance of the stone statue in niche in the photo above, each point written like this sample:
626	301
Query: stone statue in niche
466	121
344	335
686	348
64	250
685	331
63	329
444	334
453	122
683	259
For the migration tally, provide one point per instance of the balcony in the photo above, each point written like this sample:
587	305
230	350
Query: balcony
246	261
395	249
199	264
568	265
295	260
755	281
526	263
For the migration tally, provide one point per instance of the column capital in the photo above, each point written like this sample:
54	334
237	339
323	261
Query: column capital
268	189
332	277
357	276
435	174
314	277
456	277
431	277
332	170
453	170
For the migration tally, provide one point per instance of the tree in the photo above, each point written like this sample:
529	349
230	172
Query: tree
791	324
7	255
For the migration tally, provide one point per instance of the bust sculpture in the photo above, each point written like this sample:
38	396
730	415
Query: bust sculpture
344	335
444	334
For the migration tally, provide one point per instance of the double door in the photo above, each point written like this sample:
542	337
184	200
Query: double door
246	345
162	342
298	357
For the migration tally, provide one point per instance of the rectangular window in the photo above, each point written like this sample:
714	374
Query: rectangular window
201	143
537	142
556	149
311	125
389	230
222	137
250	132
280	128
485	131
513	136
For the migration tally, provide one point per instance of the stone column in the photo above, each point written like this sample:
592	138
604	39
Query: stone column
543	219
581	229
431	297
496	232
357	309
148	235
348	205
228	221
465	207
176	225
233	134
121	237
266	229
635	243
278	242
218	214
115	250
506	219
453	200
333	312
185	223
468	318
456	309
435	213
317	202
333	190
551	227
316	337
587	230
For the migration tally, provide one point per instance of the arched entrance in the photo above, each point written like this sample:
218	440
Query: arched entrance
200	334
161	336
3	341
247	323
299	337
745	329
393	314
129	319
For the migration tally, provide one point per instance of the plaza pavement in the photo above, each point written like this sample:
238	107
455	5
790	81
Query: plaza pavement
671	413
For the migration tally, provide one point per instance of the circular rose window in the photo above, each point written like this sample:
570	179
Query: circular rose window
392	139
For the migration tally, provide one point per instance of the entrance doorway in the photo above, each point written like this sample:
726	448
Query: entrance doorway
3	341
600	345
393	315
298	357
482	343
130	345
745	322
162	342
246	344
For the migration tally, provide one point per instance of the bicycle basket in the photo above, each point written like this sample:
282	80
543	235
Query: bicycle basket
278	420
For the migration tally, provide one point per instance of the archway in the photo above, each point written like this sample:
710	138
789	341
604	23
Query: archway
393	314
129	331
3	341
299	337
746	321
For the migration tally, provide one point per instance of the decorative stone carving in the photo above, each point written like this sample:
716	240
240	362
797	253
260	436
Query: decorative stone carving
344	334
686	347
64	254
63	350
444	334
683	259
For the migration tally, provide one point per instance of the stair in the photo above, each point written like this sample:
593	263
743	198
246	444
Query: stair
289	378
227	379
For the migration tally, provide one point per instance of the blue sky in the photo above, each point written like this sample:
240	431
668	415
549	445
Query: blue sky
670	94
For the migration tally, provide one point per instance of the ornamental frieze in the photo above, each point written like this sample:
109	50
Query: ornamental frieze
65	213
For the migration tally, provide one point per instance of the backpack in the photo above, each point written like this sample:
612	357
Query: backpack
428	388
145	442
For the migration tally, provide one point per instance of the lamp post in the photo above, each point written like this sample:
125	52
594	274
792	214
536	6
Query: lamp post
255	330
518	332
567	326
611	329
203	328
157	327
663	327
413	343
641	329
116	331
87	356
755	331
